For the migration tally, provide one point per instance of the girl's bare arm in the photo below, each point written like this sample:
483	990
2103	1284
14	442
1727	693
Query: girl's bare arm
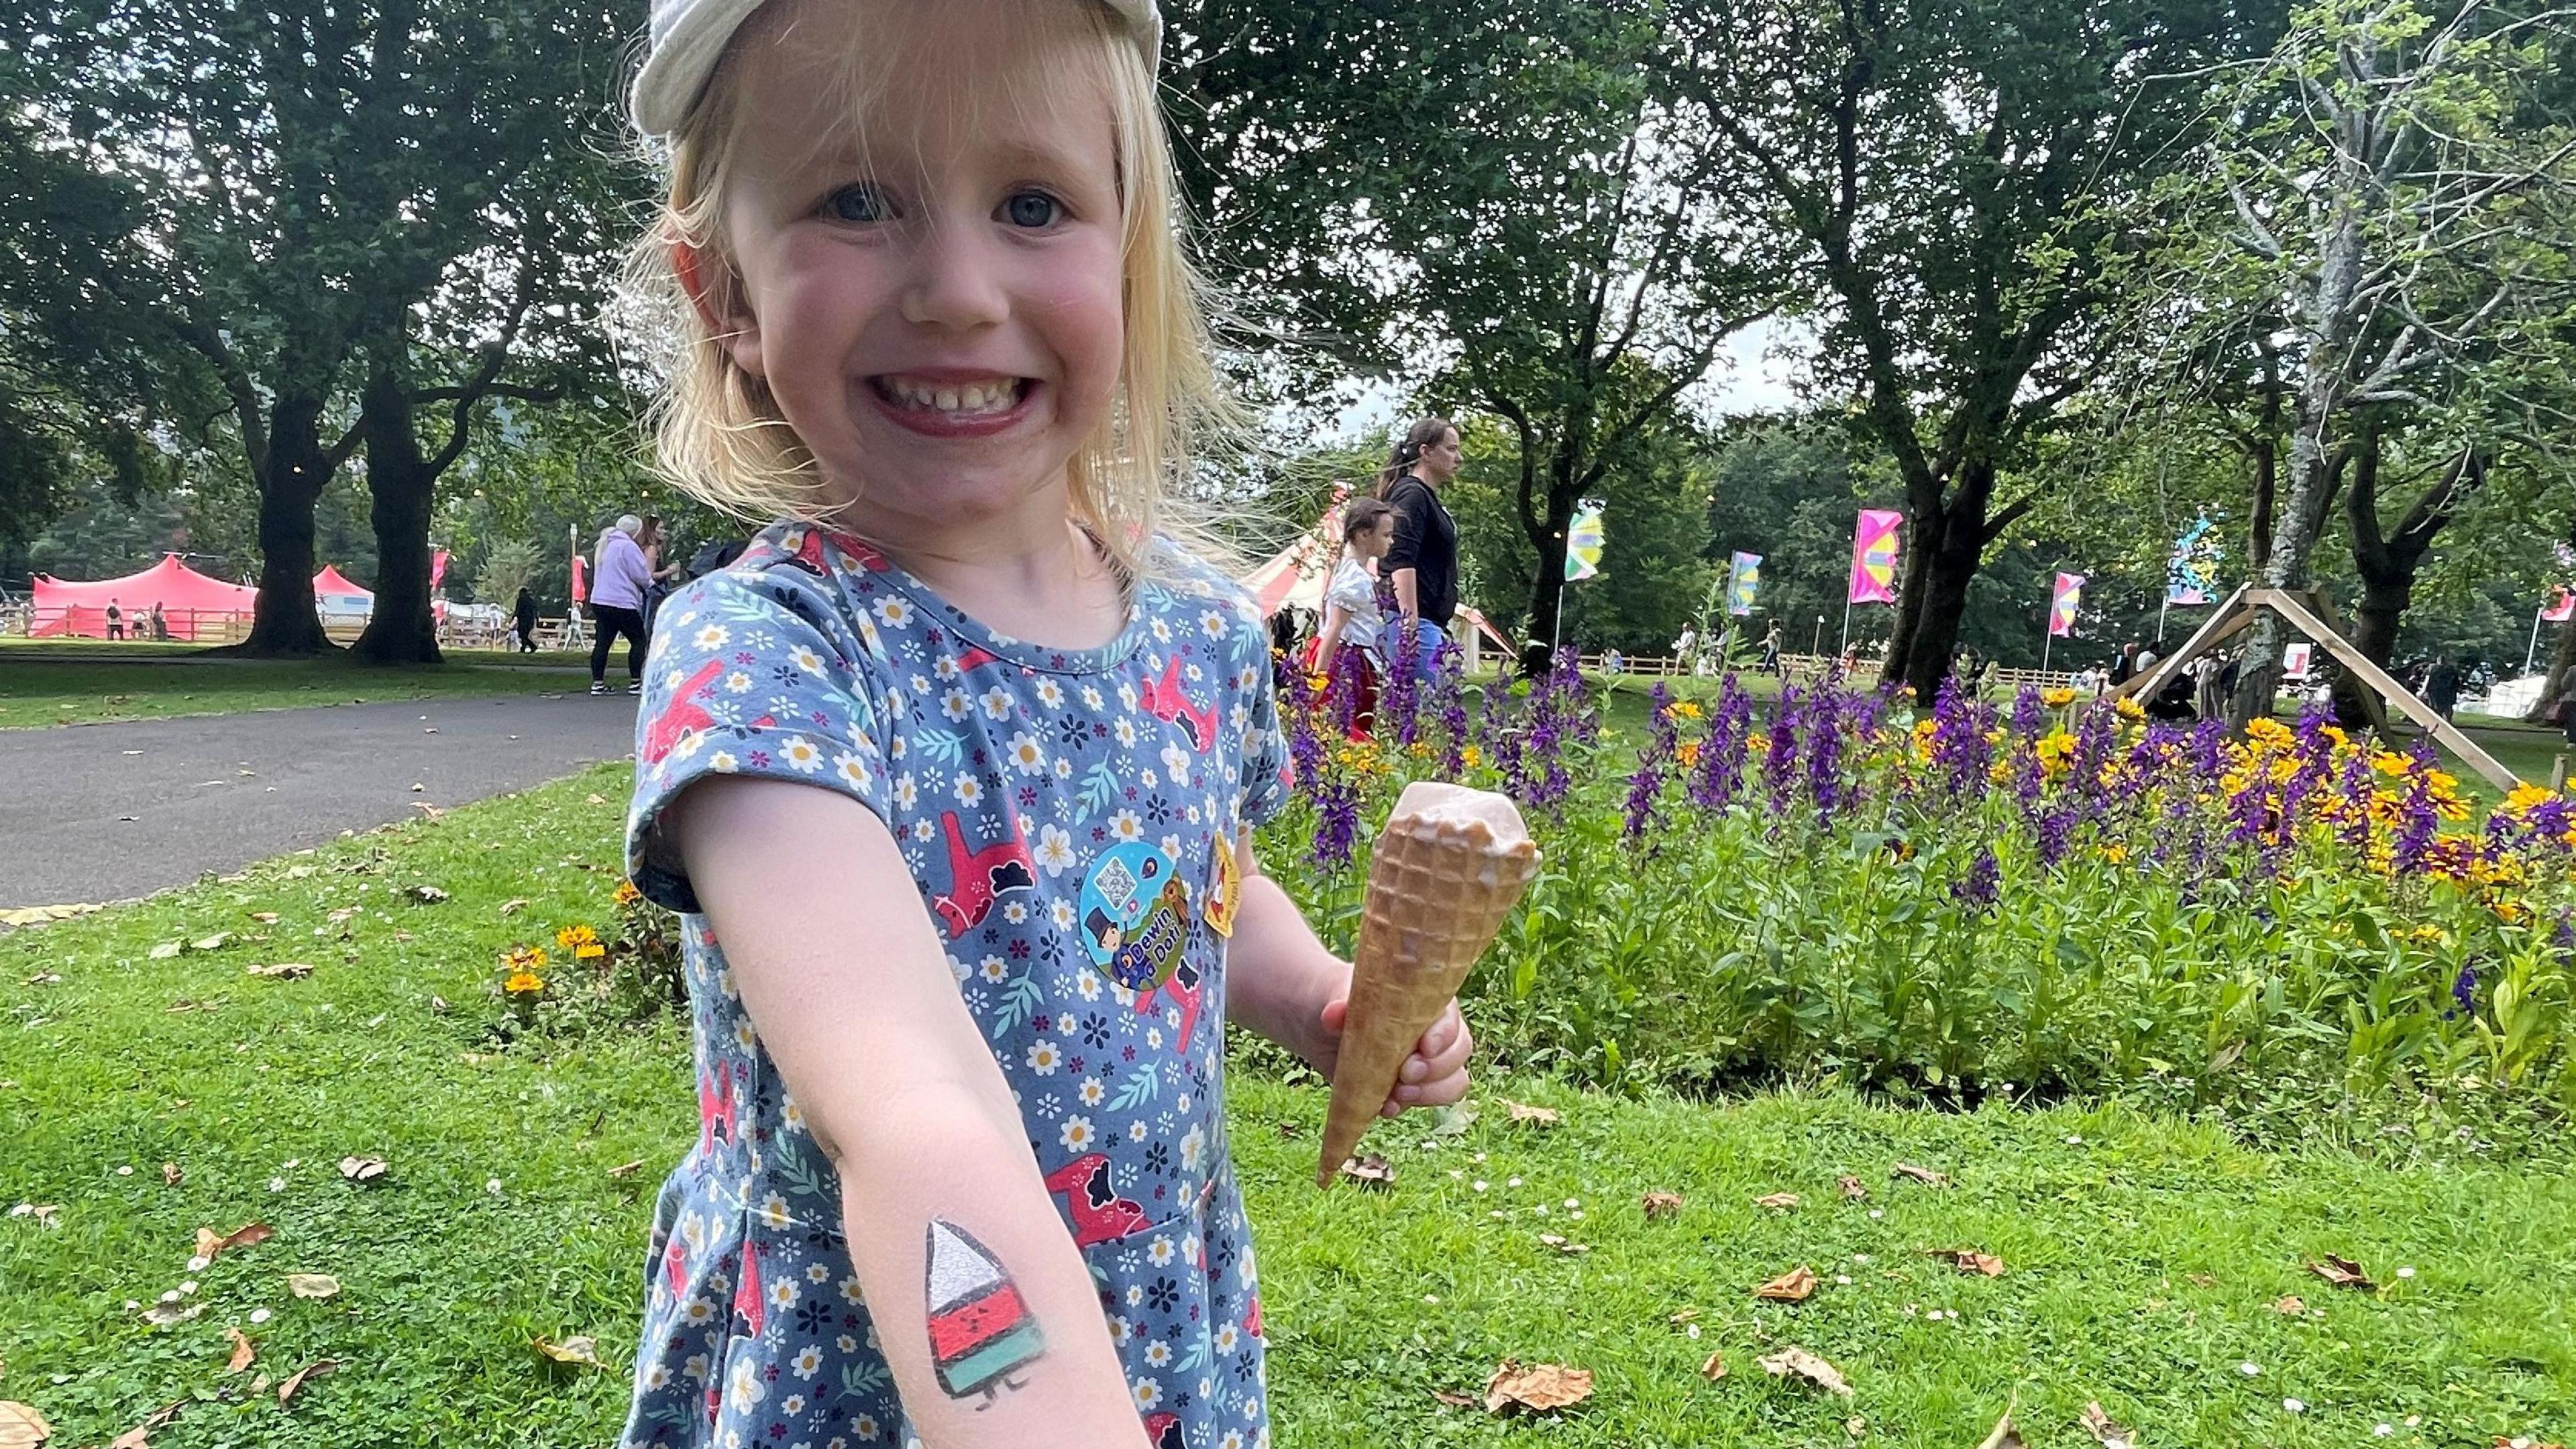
845	980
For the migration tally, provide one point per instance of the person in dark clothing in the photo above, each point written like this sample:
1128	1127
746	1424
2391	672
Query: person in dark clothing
2442	687
1422	565
115	621
2125	665
523	618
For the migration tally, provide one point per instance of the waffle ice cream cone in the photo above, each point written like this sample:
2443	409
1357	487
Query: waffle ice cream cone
1450	865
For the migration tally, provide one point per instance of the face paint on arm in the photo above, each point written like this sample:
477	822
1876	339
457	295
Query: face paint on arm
981	1332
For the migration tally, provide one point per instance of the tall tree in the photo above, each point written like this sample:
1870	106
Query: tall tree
277	192
1954	179
2380	196
1510	214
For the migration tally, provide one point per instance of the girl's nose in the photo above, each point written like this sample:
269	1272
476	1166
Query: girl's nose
955	281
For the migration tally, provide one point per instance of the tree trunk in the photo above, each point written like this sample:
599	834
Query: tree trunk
1547	589
402	487
2267	470
284	621
1949	566
2562	663
2316	473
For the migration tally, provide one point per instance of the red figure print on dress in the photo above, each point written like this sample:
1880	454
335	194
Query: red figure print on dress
716	1105
683	716
978	879
1165	701
1099	1214
1184	988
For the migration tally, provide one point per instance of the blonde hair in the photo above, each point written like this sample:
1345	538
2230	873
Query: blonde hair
720	436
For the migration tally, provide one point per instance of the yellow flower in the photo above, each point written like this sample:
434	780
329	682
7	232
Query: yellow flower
627	894
2268	732
526	958
2114	852
1685	709
2056	749
2057	698
1687	752
523	983
582	942
1474	757
2128	709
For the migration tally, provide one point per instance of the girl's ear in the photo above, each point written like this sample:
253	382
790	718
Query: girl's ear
717	294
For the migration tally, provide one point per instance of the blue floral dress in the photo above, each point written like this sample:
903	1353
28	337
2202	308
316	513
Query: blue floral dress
1066	815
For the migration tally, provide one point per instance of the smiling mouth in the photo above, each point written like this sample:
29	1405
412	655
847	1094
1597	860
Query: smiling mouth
943	398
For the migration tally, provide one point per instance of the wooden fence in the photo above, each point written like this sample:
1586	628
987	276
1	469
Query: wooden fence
1801	667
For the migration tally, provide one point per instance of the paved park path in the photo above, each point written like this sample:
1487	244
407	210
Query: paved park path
114	811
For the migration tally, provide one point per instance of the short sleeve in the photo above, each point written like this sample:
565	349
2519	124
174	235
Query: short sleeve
753	673
1266	777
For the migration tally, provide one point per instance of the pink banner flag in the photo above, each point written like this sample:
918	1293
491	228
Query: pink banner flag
1873	574
2562	607
2061	605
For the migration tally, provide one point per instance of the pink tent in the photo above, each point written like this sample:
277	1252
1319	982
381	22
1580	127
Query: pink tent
189	600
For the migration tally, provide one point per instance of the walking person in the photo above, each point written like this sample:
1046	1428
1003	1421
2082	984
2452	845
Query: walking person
523	620
1771	650
1422	565
660	573
2442	687
115	621
620	576
160	622
1353	635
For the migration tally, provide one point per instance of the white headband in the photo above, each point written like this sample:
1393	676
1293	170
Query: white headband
688	36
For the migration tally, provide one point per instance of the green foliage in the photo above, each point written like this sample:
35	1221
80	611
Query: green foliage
508	566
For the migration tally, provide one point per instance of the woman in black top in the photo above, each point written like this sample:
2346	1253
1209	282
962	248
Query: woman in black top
1422	566
523	619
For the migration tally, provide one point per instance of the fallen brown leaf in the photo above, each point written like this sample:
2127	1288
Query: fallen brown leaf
164	1315
214	942
579	1349
1795	1286
163	951
1369	1171
1856	1426
2005	1436
21	1427
1569	1249
1714	1368
140	1436
340	914
2104	1432
1661	1205
1539	1387
295	1380
265	918
2342	1272
1922	1175
2289	1305
513	905
1455	1401
594	799
282	971
171	1175
1851	1187
1796	1362
243	1351
1968	1260
312	1285
211	1243
2519	1442
2201	1280
1535	1116
427	895
362	1169
627	1169
1779	1201
1684	1316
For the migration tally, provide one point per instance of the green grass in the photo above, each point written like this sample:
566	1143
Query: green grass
2143	1261
36	690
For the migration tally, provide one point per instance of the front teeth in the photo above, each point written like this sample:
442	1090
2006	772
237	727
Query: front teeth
969	399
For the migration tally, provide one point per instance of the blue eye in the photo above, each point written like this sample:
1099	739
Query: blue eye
856	203
1032	209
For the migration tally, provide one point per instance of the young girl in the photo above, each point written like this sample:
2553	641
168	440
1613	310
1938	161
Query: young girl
953	772
1353	618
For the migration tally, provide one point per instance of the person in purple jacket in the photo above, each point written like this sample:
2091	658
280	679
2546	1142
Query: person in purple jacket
619	578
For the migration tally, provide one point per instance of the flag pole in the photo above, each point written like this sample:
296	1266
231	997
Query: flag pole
1846	623
2047	637
2533	653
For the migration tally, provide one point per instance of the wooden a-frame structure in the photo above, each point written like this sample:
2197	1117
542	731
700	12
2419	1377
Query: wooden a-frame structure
2308	612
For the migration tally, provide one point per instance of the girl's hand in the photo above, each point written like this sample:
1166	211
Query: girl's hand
1434	1076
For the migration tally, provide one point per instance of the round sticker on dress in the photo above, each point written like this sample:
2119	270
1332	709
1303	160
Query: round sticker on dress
1124	884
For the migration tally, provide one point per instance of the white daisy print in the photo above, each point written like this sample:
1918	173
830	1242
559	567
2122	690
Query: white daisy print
1213	623
969	790
806	659
1193	1148
1161	1252
907	791
1225	1338
723	762
1064	767
1077	1135
1045	1057
1055	853
1087	985
1126	825
955	704
994	969
1050	693
1158	1354
1177	761
1091	698
737	683
1061	912
854	771
712	638
1092	1091
1125	730
800	754
773	1211
808	1361
1027	756
997	703
1149	1392
894	611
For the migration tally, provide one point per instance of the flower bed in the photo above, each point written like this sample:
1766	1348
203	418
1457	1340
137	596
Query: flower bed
2043	897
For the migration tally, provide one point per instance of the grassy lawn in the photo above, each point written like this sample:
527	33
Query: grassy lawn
2143	1257
38	687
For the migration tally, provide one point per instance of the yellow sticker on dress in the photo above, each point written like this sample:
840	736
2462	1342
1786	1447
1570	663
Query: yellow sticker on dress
1227	894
